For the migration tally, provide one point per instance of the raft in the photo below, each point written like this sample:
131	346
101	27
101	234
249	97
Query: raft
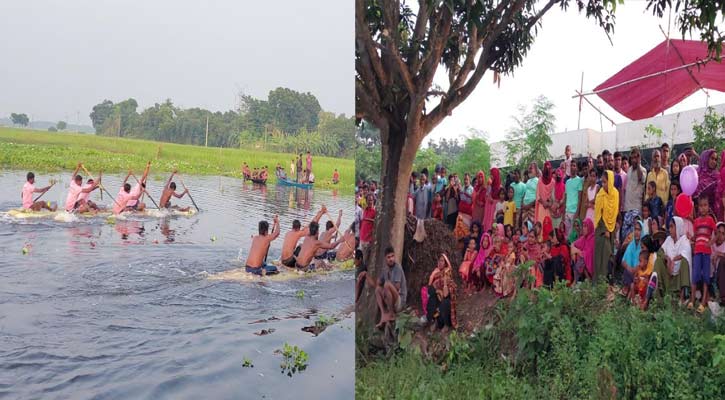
63	216
285	273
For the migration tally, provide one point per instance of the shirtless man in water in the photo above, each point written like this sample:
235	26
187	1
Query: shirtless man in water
257	258
310	246
170	190
326	238
347	247
290	250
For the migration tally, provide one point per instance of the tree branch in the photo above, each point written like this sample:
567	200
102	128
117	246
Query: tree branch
421	21
362	32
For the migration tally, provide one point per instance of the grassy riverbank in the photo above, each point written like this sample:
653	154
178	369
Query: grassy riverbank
561	344
49	152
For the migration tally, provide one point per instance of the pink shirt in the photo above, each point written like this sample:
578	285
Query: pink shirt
84	196
135	191
28	190
73	192
121	201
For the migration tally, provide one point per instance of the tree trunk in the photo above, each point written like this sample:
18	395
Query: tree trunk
398	154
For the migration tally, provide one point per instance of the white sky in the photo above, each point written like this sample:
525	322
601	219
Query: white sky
567	44
60	58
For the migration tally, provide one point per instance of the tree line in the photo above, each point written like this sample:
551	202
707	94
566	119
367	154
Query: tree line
288	121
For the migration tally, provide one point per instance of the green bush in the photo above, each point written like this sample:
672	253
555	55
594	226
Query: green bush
567	343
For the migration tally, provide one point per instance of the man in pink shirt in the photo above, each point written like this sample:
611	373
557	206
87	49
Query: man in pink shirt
83	198
138	190
27	195
124	196
73	201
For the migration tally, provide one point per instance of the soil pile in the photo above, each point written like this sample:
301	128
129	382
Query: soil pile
419	259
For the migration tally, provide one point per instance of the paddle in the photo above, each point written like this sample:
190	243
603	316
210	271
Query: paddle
52	183
144	190
189	193
103	188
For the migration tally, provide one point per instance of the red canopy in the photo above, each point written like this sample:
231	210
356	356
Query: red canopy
650	96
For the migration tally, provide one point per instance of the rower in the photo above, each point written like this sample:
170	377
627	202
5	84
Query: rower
123	197
27	195
326	238
83	198
256	260
138	189
170	190
290	249
73	201
310	246
347	247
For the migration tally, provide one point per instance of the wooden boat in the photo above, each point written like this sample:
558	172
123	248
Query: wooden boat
256	180
285	273
62	216
286	182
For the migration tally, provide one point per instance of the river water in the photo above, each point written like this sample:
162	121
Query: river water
126	310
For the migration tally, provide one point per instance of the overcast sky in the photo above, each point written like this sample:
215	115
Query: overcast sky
568	44
60	58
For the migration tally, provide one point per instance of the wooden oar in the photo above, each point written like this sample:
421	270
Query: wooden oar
103	188
144	190
44	192
189	193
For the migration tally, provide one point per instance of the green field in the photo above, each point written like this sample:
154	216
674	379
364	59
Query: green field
49	152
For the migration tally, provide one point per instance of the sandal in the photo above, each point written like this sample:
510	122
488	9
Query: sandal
691	305
701	309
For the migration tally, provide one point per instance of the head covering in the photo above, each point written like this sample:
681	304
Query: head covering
631	254
606	204
546	228
500	231
707	177
681	247
586	244
495	182
721	182
483	250
547	174
560	186
573	234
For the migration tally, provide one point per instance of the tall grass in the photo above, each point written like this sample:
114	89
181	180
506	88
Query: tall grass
49	152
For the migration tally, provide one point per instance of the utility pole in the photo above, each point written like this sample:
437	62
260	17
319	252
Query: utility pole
206	140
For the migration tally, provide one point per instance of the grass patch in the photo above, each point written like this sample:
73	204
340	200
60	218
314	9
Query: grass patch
50	152
565	344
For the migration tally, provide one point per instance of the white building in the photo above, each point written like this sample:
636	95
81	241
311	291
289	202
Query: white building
676	129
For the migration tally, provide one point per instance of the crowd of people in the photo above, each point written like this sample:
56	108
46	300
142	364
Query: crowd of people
647	228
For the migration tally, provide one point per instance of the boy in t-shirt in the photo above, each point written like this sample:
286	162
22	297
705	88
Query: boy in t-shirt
704	226
509	208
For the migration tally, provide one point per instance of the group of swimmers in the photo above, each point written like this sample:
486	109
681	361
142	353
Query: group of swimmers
78	197
316	247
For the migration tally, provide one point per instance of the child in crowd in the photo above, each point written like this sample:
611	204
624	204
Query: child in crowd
642	277
704	227
509	232
437	207
509	208
675	191
467	263
718	260
653	201
538	231
499	213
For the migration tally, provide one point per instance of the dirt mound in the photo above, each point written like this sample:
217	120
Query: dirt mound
419	259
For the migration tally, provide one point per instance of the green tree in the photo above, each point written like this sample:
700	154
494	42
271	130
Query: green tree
61	125
476	155
20	119
52	129
710	133
426	158
100	113
293	110
398	51
530	139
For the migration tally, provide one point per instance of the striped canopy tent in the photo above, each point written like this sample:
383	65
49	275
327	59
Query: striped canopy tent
663	77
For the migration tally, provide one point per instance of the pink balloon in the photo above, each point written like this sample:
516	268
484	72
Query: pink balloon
689	180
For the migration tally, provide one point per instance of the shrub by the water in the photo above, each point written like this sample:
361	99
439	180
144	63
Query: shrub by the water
568	343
